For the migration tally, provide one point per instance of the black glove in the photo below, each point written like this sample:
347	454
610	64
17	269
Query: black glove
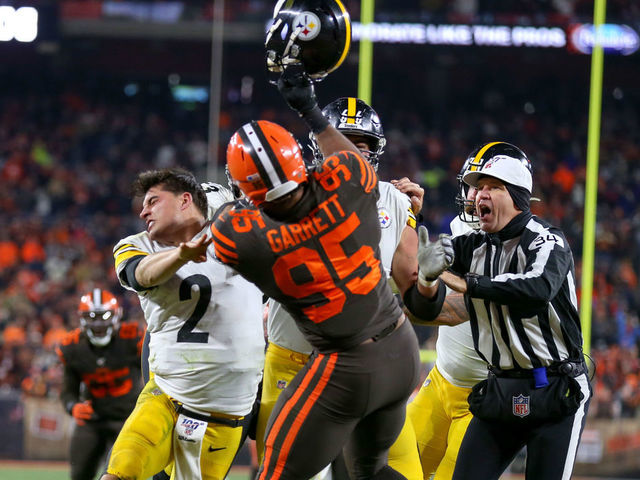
296	88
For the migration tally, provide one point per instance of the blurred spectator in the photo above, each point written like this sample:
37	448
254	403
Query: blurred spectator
69	150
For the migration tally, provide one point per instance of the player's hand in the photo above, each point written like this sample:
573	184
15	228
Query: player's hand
82	411
296	87
433	257
196	250
414	191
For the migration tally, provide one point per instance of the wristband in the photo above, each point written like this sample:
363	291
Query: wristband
424	309
426	282
472	282
315	120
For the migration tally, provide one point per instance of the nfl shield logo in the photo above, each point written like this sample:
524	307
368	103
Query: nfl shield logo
281	385
521	406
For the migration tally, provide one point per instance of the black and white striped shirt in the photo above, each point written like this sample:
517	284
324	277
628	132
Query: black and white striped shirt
522	303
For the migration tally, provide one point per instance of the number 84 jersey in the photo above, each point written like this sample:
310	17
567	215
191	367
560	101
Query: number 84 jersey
205	323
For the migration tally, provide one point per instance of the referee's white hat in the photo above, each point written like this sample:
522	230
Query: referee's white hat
503	161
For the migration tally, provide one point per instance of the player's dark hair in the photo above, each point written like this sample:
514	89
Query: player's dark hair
176	180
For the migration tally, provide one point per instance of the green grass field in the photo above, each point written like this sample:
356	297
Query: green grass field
14	470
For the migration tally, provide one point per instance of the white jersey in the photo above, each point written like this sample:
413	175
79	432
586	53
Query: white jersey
456	357
205	323
394	213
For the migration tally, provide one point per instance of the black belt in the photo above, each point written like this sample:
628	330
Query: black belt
571	369
386	331
208	418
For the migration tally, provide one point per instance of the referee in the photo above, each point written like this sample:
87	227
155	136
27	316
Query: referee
517	274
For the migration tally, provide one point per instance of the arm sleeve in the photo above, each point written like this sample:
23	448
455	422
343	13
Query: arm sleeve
128	273
351	167
548	261
421	307
224	247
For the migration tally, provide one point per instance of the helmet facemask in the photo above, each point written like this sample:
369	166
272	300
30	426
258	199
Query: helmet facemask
100	315
466	207
99	325
357	121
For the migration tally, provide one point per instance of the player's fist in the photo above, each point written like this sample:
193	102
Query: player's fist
296	87
433	257
82	411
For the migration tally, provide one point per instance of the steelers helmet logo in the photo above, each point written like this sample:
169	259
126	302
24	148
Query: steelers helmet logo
350	120
308	24
384	218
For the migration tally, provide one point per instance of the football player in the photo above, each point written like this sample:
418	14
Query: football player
206	348
311	242
288	350
101	378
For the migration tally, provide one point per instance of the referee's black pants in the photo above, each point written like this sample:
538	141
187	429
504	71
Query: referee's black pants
489	447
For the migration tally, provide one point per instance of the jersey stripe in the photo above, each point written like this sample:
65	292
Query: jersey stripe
220	237
411	218
540	326
127	254
123	247
369	177
224	255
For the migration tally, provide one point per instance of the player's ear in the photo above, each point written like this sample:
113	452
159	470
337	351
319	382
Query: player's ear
185	200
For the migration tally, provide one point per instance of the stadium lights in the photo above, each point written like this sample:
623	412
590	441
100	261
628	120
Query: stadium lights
20	24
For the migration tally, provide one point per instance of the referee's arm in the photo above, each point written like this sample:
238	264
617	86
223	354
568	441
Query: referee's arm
548	261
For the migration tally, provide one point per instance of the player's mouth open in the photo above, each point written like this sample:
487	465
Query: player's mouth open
150	224
484	210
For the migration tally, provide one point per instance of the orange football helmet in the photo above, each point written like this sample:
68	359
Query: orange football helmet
265	161
100	315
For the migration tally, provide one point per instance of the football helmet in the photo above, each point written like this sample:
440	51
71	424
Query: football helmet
217	195
500	160
100	314
237	194
352	116
265	161
314	33
466	208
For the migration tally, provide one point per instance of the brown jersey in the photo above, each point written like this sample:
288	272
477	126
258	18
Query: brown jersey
111	373
324	268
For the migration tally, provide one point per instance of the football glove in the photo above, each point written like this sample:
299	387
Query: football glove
82	411
433	257
296	87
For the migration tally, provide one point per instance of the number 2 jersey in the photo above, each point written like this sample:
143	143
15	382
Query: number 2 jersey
205	324
325	267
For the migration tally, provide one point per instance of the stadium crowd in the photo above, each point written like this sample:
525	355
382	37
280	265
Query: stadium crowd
68	154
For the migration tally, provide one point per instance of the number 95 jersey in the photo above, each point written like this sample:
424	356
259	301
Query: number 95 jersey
205	324
324	267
